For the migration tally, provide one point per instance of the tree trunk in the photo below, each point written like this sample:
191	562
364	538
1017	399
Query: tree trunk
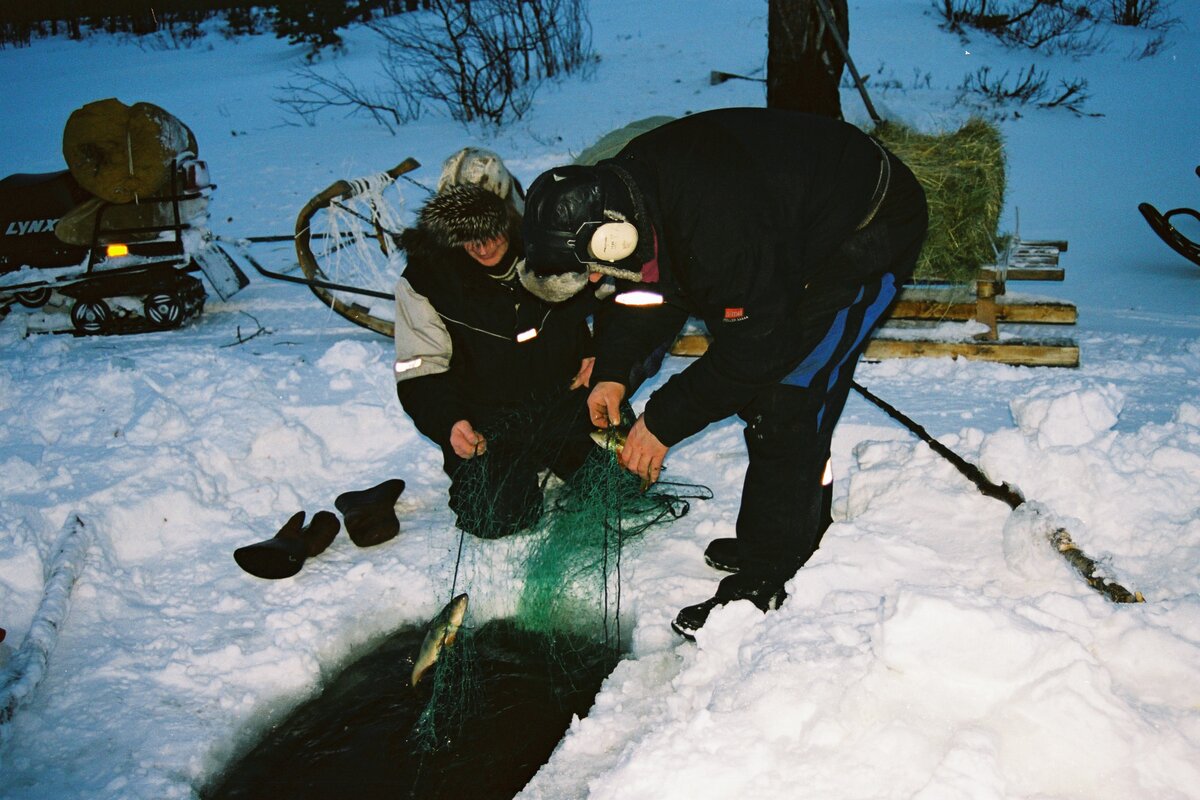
804	63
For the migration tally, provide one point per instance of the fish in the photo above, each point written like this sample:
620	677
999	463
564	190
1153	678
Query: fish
612	440
442	631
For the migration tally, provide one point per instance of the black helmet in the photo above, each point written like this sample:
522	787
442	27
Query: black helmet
565	209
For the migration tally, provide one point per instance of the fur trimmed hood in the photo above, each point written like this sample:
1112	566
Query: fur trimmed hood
464	214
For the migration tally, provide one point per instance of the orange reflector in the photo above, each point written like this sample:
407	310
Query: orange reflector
117	250
525	336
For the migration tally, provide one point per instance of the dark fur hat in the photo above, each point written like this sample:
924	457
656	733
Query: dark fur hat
464	214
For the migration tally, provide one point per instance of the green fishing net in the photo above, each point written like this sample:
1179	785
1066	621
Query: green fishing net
576	534
454	698
572	581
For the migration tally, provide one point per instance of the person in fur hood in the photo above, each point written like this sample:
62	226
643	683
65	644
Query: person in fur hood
491	374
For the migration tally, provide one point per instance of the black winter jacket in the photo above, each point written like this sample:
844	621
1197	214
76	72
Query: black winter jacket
748	206
490	372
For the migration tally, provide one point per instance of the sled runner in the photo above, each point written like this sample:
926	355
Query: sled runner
346	249
375	253
1161	224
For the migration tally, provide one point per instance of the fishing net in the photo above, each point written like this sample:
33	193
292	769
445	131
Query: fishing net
576	532
455	696
572	587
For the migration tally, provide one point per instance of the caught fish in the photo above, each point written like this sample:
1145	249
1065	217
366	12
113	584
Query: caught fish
612	440
442	631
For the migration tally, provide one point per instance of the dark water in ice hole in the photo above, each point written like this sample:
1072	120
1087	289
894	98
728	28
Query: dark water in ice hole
353	741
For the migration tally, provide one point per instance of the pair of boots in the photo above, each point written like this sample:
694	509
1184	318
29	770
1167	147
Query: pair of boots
370	517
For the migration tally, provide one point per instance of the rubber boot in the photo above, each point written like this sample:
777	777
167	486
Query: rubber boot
370	514
723	553
284	554
764	590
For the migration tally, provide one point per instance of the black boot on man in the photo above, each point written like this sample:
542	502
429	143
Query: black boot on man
725	555
764	590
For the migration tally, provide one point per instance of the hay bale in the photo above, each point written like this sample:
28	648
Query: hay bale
963	176
120	153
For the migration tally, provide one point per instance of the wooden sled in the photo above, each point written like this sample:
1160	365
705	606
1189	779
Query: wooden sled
918	324
1161	224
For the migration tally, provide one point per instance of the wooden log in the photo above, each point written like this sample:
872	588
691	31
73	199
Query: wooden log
1034	272
1044	353
1048	353
919	303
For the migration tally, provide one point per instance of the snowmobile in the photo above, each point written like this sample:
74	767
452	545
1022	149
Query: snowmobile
1161	224
114	267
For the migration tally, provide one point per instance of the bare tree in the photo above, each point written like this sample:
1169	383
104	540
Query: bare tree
804	62
1151	14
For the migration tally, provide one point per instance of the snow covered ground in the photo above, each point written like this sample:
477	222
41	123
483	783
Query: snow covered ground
935	647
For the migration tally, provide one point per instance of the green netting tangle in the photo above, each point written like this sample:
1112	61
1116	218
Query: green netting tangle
570	577
455	695
572	585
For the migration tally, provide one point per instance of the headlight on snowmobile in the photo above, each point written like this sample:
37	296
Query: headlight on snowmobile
116	250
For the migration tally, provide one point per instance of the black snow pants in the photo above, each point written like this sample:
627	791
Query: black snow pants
790	426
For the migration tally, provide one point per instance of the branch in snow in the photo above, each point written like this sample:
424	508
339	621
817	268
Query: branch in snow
28	665
1086	567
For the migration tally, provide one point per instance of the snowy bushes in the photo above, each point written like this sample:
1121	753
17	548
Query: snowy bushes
479	61
1041	24
1048	26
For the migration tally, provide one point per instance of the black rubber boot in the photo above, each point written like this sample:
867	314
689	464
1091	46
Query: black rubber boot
284	554
370	514
766	592
724	554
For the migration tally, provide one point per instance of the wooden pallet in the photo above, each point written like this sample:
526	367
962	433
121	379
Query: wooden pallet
917	325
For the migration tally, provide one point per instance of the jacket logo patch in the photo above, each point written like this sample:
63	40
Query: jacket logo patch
734	314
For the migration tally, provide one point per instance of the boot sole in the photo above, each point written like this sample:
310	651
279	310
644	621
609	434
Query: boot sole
722	565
